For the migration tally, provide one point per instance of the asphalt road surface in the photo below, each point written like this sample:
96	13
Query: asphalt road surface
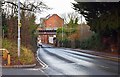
67	62
64	62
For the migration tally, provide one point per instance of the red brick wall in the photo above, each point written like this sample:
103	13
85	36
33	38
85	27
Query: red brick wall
44	39
54	21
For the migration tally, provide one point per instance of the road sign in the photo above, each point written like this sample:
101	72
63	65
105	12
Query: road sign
19	24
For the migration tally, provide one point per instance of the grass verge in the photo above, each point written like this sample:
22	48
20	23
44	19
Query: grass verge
26	55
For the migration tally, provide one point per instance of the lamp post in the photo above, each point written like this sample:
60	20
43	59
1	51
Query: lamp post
19	25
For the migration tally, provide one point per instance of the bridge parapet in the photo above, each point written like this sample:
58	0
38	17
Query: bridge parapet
47	32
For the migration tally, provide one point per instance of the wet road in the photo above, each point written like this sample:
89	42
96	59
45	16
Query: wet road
67	62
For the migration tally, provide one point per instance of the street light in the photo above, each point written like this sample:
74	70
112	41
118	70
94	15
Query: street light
19	25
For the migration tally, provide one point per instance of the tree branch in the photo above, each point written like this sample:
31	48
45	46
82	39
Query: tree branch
29	7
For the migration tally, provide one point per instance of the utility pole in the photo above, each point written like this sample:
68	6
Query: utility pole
19	25
62	35
81	28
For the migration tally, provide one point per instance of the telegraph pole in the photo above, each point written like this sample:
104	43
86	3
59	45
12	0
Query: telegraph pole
19	25
81	27
62	35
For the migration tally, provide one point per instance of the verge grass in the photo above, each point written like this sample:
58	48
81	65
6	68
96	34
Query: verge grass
26	55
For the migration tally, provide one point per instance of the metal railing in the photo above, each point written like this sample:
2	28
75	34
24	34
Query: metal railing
6	55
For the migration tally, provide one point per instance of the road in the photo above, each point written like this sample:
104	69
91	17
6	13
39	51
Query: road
22	71
59	61
67	62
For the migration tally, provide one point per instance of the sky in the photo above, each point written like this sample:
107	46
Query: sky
59	7
97	0
62	7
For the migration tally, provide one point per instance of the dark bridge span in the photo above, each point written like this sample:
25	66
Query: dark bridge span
47	32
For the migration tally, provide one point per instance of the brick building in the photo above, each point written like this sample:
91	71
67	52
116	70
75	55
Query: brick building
50	23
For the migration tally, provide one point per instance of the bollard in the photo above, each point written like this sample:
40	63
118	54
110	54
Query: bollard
8	59
4	55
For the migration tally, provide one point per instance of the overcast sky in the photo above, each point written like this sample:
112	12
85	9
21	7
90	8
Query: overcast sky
59	7
97	0
62	7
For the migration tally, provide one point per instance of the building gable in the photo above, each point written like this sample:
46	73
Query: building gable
54	22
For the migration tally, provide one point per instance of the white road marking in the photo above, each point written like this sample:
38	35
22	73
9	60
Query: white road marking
41	62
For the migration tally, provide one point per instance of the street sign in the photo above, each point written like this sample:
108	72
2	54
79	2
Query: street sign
19	24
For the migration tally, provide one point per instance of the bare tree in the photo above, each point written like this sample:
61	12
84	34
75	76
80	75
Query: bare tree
72	15
28	10
10	6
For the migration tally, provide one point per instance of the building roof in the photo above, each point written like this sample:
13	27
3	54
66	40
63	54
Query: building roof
51	15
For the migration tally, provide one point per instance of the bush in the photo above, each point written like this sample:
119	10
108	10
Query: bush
66	43
77	43
94	42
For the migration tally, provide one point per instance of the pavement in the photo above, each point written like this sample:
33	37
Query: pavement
19	66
